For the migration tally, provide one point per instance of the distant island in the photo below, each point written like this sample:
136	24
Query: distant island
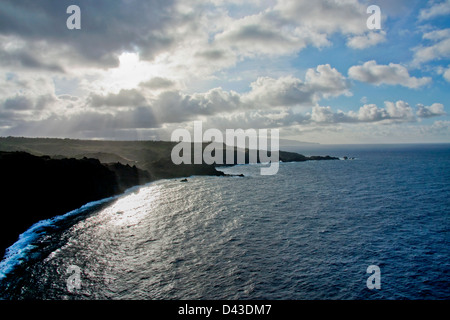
45	177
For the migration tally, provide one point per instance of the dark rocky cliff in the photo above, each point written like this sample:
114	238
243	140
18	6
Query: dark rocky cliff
35	188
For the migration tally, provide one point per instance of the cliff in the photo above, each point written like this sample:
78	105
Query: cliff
42	178
36	188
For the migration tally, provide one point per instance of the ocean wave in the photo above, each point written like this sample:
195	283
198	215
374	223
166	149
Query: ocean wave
21	250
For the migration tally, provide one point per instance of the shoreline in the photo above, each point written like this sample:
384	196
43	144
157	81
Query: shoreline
55	185
15	253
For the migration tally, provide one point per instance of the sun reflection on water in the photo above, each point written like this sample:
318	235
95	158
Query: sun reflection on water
130	210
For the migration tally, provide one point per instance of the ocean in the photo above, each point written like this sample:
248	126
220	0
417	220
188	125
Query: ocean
308	232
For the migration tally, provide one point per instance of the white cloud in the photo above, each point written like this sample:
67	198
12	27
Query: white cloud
127	106
369	113
322	82
435	10
291	25
327	81
321	114
113	76
367	40
436	109
447	74
400	110
439	50
392	74
437	35
441	126
393	112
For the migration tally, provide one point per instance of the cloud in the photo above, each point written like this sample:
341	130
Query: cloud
399	111
26	97
188	37
322	82
68	97
327	115
157	83
22	58
447	74
393	112
146	66
346	17
369	113
212	54
106	30
435	110
392	74
435	10
217	108
129	107
319	116
441	127
292	25
176	107
268	92
439	50
125	98
367	40
260	35
326	82
22	103
18	103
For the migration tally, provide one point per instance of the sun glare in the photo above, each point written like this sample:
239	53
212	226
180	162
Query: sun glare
130	73
129	210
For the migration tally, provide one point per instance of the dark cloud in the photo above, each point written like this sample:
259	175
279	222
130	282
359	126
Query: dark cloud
107	28
22	102
255	33
68	97
212	55
18	103
125	98
157	83
23	59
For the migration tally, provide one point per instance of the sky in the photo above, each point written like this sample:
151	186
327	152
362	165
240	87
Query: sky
138	70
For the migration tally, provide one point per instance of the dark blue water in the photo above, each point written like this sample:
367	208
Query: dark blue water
308	232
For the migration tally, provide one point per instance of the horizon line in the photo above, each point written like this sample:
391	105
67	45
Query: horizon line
298	141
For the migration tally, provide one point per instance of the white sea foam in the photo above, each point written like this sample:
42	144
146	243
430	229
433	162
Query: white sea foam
17	253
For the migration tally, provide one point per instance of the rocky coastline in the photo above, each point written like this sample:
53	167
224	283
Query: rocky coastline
35	187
